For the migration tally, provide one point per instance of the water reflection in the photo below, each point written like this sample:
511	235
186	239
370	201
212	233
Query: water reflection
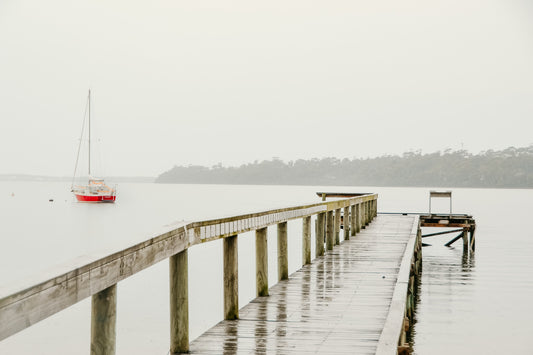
281	325
260	337
469	262
319	283
305	296
447	282
231	339
261	329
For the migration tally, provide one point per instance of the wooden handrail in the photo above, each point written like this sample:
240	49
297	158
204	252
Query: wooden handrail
28	305
394	331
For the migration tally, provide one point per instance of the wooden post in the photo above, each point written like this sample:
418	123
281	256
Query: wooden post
346	223
367	215
103	321
363	215
465	239
319	240
358	218
353	220
306	240
283	259
337	226
472	238
231	278
261	262
179	303
330	230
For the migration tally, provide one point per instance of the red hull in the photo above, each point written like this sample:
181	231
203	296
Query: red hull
96	198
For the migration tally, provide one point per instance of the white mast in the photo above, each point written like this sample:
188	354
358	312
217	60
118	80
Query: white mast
87	108
89	133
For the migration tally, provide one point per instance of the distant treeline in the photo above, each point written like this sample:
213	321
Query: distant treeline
509	168
45	178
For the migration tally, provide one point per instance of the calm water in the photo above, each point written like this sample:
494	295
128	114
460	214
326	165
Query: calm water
481	304
477	305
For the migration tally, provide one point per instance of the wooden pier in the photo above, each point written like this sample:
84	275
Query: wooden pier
356	296
339	304
463	223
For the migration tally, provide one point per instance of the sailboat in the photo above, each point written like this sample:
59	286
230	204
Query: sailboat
96	190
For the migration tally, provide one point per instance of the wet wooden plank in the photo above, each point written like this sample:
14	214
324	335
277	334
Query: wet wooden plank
338	304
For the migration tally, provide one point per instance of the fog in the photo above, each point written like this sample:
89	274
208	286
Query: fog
203	82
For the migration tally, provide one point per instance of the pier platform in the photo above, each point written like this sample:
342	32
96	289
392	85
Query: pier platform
348	301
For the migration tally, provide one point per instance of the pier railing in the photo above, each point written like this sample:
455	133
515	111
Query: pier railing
400	317
23	308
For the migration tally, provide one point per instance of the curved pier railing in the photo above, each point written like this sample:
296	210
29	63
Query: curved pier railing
98	278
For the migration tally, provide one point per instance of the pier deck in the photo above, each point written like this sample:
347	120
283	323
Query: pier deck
339	304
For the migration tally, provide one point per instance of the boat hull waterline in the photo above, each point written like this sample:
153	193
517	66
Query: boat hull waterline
95	191
92	198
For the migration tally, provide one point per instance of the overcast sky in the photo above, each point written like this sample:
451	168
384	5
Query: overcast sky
203	82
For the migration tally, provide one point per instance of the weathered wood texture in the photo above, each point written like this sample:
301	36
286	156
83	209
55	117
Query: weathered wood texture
337	305
320	234
306	240
473	238
454	239
465	239
330	230
261	262
466	223
179	302
357	218
440	194
364	215
447	220
337	226
48	295
231	278
353	221
283	256
441	233
103	321
346	223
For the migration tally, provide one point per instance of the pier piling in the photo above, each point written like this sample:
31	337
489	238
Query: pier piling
261	262
231	278
103	321
330	230
306	240
346	223
283	258
320	231
179	302
337	226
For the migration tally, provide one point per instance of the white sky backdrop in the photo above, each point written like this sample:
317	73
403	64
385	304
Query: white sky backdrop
202	82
